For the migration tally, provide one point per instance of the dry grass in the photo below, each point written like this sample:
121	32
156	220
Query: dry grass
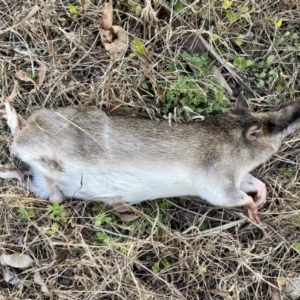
166	254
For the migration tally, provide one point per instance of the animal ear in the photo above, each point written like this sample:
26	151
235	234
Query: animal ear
254	132
241	104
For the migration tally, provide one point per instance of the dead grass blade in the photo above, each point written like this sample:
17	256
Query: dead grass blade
13	93
37	278
197	44
31	14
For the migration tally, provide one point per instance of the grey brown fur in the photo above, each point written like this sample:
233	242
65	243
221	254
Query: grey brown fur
82	153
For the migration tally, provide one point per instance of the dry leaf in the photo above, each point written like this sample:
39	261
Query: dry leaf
114	38
290	286
62	255
37	278
118	209
22	75
126	217
58	258
218	75
107	16
11	277
115	41
292	3
16	260
121	207
41	74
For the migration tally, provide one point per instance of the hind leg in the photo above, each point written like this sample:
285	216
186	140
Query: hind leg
14	121
226	194
250	184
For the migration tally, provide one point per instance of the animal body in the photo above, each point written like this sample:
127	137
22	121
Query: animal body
82	153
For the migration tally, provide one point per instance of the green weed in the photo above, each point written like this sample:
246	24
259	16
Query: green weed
157	266
285	173
25	214
105	239
102	219
59	215
196	89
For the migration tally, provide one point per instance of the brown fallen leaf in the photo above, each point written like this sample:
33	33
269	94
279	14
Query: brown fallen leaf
220	78
22	75
118	209
107	16
56	258
62	255
292	3
16	260
125	217
114	38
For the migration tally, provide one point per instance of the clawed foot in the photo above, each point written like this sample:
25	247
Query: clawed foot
250	184
253	213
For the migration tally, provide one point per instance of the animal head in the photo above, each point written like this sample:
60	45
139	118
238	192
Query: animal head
274	125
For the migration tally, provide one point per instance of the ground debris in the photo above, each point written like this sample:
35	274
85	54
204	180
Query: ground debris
114	38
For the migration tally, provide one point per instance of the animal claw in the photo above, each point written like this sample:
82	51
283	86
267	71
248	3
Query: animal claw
253	213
